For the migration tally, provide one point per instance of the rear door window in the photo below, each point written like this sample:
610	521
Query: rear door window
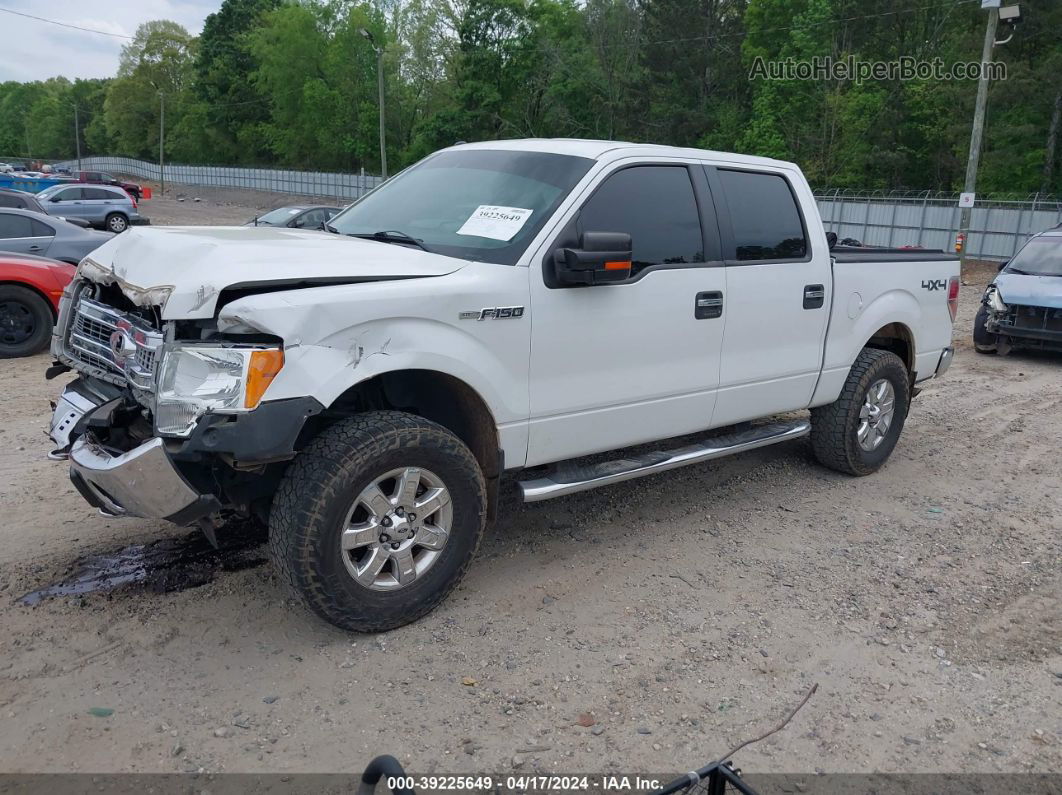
98	193
764	216
656	206
12	226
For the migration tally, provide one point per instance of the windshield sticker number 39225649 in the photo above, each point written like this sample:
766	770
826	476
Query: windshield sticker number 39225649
495	222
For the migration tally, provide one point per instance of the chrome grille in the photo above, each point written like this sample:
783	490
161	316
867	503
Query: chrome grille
117	343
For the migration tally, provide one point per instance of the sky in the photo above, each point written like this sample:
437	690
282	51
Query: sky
33	50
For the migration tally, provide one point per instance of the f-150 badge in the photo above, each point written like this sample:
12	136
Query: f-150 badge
494	313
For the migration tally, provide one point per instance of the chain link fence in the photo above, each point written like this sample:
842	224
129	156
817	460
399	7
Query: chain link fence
998	227
275	180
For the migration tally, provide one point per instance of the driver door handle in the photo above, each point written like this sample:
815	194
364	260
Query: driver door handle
708	305
814	296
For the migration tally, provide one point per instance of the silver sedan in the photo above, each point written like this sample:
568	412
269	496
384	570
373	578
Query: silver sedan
25	232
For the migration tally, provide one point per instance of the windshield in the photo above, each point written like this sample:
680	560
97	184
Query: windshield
478	204
1041	256
278	217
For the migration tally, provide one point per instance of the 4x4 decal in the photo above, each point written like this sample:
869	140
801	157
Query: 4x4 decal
934	284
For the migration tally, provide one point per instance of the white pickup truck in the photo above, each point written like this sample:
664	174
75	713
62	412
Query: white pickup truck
508	306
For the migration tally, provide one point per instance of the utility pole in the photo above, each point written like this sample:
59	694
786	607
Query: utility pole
162	136
1010	16
77	137
380	84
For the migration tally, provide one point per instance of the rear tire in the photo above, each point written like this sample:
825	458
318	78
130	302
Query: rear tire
117	223
984	341
847	435
25	322
324	535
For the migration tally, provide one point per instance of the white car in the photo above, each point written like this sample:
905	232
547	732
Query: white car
508	306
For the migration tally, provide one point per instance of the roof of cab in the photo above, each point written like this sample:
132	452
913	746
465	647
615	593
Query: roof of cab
611	150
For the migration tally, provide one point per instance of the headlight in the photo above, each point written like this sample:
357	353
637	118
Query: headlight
992	299
195	379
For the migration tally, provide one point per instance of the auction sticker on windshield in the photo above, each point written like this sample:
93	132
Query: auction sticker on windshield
497	223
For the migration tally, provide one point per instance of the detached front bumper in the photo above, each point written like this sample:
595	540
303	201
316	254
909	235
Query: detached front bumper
142	482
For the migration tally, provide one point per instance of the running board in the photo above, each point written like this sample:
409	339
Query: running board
569	478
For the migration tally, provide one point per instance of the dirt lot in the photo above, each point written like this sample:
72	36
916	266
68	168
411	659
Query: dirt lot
683	613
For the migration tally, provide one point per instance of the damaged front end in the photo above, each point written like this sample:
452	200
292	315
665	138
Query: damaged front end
165	420
1019	325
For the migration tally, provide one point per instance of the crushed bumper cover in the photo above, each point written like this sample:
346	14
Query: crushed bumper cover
142	482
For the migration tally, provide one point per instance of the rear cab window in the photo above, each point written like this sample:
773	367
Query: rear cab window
765	221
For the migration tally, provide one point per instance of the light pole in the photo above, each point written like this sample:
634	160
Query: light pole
380	83
162	136
77	137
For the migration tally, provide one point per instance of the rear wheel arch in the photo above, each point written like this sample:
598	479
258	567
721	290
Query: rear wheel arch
899	339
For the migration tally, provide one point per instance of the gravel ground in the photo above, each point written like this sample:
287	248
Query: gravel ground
677	614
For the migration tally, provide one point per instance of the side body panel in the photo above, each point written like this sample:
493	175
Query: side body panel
617	365
869	295
772	346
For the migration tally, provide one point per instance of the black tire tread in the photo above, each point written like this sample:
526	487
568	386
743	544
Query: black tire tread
45	317
301	500
831	425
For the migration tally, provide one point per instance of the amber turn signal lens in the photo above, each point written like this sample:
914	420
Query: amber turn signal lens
617	266
260	374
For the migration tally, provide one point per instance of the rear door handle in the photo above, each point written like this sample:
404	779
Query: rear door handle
814	295
708	305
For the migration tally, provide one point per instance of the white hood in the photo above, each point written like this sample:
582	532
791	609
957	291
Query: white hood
186	267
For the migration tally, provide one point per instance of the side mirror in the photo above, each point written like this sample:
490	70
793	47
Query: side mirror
53	199
1003	264
603	258
831	239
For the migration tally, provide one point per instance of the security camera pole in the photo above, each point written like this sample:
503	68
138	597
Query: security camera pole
977	133
380	82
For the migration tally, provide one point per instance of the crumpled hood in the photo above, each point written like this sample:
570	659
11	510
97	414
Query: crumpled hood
1014	288
186	268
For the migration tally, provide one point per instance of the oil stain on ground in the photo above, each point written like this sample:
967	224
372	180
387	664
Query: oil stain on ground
170	564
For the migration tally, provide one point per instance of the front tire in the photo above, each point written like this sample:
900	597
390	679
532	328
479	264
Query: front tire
857	432
25	322
378	519
984	341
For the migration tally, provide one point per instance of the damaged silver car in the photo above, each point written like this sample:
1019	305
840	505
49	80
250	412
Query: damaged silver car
1022	307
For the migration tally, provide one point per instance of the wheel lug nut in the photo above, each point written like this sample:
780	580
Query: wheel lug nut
399	511
412	517
386	522
384	538
395	545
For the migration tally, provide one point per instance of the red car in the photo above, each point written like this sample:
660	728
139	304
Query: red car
30	288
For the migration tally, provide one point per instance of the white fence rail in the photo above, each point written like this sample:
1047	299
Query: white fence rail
997	228
296	183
